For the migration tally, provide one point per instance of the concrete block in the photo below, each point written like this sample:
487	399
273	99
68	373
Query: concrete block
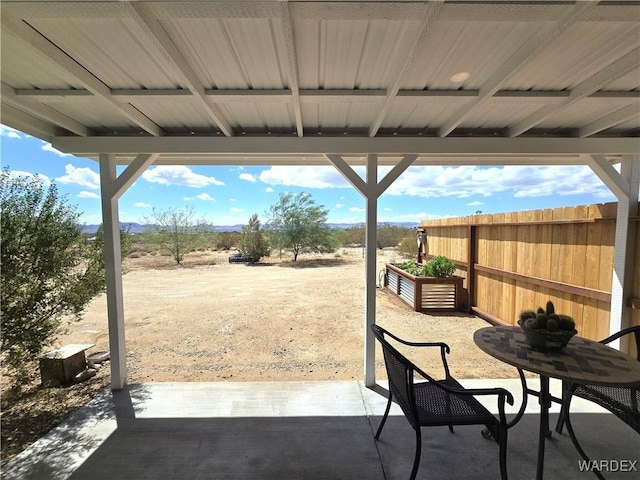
59	366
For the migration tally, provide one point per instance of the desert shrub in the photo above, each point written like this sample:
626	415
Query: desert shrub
390	235
350	237
227	240
254	242
408	247
136	248
50	269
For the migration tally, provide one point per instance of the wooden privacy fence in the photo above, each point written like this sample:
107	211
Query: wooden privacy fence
517	261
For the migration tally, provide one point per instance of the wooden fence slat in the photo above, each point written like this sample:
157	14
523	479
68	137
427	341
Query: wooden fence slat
523	259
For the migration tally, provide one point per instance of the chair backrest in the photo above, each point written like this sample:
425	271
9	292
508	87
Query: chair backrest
400	375
627	331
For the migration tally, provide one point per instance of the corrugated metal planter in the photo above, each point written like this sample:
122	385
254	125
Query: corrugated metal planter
425	294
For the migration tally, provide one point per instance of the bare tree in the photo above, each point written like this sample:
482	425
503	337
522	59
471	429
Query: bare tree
178	231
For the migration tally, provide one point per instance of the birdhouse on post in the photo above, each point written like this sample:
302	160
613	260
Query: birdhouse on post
422	243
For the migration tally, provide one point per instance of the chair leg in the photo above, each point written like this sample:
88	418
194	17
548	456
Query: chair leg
502	434
416	460
384	417
563	408
574	440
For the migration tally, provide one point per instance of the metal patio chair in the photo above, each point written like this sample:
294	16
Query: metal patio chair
430	402
623	402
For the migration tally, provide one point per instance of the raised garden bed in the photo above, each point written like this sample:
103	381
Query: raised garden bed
425	294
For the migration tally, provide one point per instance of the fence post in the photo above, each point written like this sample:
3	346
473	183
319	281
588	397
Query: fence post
472	254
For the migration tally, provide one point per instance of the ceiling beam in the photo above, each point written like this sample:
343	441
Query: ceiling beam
534	45
397	170
248	145
135	169
292	63
136	95
384	160
53	94
611	120
609	175
150	27
52	53
43	112
250	95
431	12
349	174
27	123
323	95
617	69
623	10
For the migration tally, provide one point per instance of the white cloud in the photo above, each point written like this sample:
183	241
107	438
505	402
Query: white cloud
268	190
475	204
521	181
178	175
356	209
339	205
47	147
142	205
411	217
304	176
236	210
455	181
206	197
248	177
388	209
10	132
46	181
85	194
81	177
232	199
96	218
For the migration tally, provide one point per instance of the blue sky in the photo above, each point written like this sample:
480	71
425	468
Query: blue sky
229	195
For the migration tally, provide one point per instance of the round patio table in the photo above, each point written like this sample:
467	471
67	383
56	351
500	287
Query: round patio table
581	361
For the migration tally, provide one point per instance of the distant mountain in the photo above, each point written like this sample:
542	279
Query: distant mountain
131	226
345	226
137	228
229	228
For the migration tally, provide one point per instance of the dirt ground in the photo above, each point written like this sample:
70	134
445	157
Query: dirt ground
210	320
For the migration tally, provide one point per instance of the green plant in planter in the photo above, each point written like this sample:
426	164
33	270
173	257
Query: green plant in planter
409	266
440	266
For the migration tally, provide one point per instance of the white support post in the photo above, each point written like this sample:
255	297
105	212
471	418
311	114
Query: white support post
370	190
113	262
371	262
620	316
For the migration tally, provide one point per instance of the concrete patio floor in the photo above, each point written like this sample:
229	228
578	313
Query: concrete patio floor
298	430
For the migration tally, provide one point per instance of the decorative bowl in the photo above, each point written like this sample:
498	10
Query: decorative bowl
544	339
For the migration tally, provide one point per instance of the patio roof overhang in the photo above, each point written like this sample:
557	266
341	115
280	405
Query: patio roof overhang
346	83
